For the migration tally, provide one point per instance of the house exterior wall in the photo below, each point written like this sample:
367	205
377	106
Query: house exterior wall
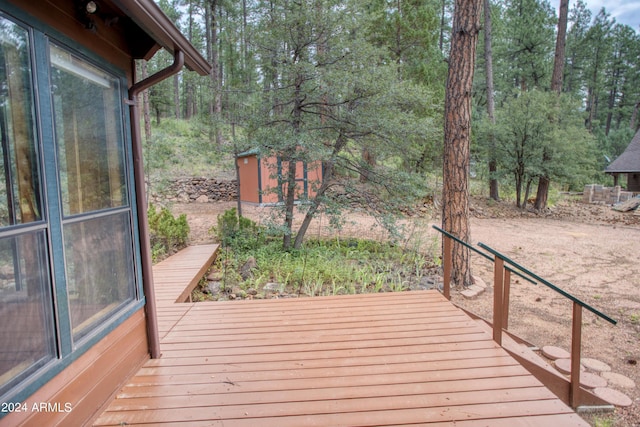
633	182
92	346
61	16
80	393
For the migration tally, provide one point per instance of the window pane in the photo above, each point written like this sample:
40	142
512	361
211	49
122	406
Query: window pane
88	133
27	336
19	183
100	276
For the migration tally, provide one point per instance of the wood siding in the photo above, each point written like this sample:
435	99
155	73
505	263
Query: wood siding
90	382
109	43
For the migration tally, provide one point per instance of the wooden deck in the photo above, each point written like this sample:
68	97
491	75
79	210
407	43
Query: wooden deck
367	360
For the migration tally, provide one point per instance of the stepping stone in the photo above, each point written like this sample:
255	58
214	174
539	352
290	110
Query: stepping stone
470	293
618	380
564	366
595	365
612	396
477	281
589	380
554	353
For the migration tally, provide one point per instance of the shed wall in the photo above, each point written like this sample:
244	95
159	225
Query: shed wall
249	179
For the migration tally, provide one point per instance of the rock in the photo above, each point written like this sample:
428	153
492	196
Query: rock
252	291
215	276
214	287
618	380
246	271
477	281
272	286
183	197
564	366
595	365
426	283
192	189
612	396
589	380
554	353
472	291
469	294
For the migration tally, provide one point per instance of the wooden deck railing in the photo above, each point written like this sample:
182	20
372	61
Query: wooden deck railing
503	268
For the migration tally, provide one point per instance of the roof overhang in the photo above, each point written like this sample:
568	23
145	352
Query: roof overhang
152	20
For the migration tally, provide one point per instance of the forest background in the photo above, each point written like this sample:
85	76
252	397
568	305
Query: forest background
360	86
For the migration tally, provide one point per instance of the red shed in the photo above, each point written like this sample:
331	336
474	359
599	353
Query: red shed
259	178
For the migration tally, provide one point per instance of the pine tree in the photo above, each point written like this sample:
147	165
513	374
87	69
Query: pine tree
457	127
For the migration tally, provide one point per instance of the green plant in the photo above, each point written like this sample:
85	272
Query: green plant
603	422
237	232
167	233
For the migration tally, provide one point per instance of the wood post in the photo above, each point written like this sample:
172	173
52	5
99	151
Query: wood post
447	265
506	291
498	297
576	343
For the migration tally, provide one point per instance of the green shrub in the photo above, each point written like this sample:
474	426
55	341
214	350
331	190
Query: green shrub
167	233
237	232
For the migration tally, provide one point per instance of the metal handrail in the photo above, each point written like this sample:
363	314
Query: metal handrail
501	293
548	284
462	242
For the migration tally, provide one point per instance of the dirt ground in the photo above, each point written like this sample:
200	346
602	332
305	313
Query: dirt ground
590	251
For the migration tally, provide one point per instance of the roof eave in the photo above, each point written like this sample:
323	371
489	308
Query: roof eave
148	16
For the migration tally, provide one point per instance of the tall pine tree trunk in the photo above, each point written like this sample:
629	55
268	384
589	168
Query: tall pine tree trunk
215	108
488	63
457	129
558	60
556	85
634	117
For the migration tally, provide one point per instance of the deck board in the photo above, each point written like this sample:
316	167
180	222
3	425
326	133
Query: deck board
380	359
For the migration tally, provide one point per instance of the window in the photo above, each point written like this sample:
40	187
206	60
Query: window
100	274
89	134
98	251
27	339
67	250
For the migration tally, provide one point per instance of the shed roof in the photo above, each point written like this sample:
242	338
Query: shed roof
629	160
150	18
252	152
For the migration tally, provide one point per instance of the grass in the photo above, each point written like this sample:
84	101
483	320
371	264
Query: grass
333	266
183	148
324	267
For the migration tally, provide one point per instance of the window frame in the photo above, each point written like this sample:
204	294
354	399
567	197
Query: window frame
53	219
